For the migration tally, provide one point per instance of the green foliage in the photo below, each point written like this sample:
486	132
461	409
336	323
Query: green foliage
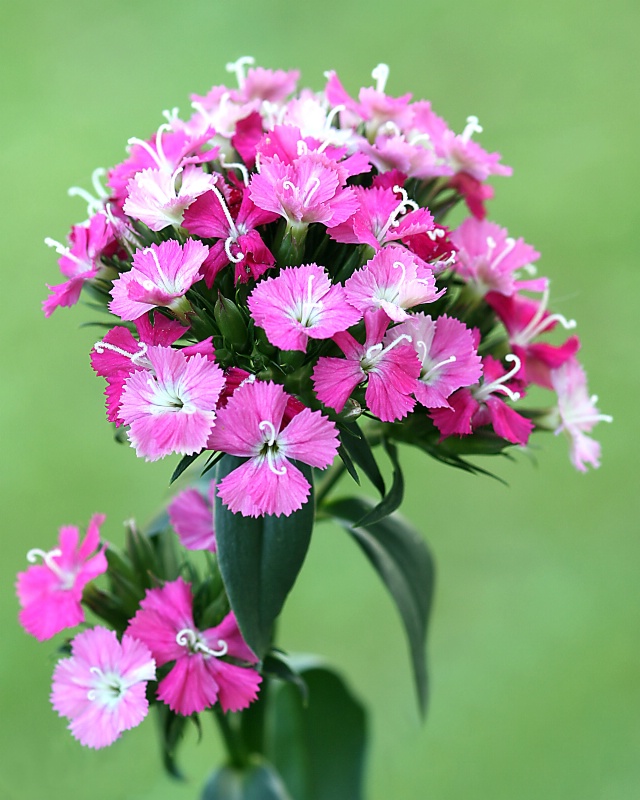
404	563
257	782
260	559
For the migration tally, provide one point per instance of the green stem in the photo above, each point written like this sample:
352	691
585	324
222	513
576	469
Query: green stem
329	481
234	743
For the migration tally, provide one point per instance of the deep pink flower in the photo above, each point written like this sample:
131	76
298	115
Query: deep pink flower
393	280
473	408
447	353
101	688
51	593
191	516
160	276
577	413
298	304
199	677
251	426
170	408
390	367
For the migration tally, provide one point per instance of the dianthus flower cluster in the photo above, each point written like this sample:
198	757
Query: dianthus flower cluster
279	271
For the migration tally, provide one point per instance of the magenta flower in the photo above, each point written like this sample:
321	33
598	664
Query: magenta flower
51	593
298	304
160	276
394	280
577	413
390	367
170	408
191	516
447	353
251	426
101	688
199	677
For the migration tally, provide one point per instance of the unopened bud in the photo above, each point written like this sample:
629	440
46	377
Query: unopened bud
231	323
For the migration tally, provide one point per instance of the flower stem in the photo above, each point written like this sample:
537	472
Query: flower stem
238	755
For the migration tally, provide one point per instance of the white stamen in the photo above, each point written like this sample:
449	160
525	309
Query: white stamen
171	116
539	323
472	127
94	204
190	639
399	264
301	148
268	426
162	165
258	162
376	351
237	67
332	115
135	358
66	578
64	251
235	165
509	244
399	209
436	233
486	389
437	366
420	137
390	127
225	210
380	74
227	249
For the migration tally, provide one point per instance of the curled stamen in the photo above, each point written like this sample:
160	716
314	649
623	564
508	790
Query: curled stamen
301	148
235	165
539	323
66	578
471	128
267	425
189	638
332	115
436	233
380	74
402	206
61	250
227	249
225	210
390	127
437	366
237	67
399	264
376	351
135	358
486	389
509	244
94	204
171	116
134	140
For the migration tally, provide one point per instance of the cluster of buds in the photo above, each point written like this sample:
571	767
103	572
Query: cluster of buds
279	266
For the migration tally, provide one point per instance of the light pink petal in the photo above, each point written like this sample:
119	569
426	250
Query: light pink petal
310	437
191	517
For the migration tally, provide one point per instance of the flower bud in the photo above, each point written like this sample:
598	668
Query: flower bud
231	323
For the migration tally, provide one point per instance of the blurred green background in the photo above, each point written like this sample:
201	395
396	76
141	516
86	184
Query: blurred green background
535	641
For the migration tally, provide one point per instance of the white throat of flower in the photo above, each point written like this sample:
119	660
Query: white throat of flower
267	427
307	310
108	689
194	643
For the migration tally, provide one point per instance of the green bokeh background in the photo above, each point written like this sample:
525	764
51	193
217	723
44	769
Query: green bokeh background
534	649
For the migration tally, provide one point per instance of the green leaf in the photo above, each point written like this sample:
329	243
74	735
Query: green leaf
392	500
185	463
172	727
258	781
403	561
318	748
355	442
259	559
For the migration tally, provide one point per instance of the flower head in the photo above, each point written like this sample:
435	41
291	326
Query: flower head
50	593
101	688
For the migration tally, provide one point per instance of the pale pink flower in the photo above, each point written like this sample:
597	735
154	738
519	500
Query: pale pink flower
199	677
159	198
298	304
393	280
447	353
577	413
251	426
51	593
170	408
191	516
101	688
160	276
390	368
489	259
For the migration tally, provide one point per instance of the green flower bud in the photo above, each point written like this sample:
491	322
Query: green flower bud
231	323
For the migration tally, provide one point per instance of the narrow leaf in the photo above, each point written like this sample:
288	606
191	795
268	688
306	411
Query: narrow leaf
185	462
392	500
257	781
355	443
403	561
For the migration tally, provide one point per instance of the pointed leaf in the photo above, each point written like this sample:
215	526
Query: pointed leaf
355	442
260	559
319	748
392	500
403	561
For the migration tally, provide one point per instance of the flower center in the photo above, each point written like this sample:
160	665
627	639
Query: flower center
194	643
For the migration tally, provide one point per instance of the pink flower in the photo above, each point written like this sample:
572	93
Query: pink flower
170	408
160	276
394	280
577	413
51	593
159	198
191	516
80	262
298	304
101	688
199	678
251	426
447	353
488	258
390	367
